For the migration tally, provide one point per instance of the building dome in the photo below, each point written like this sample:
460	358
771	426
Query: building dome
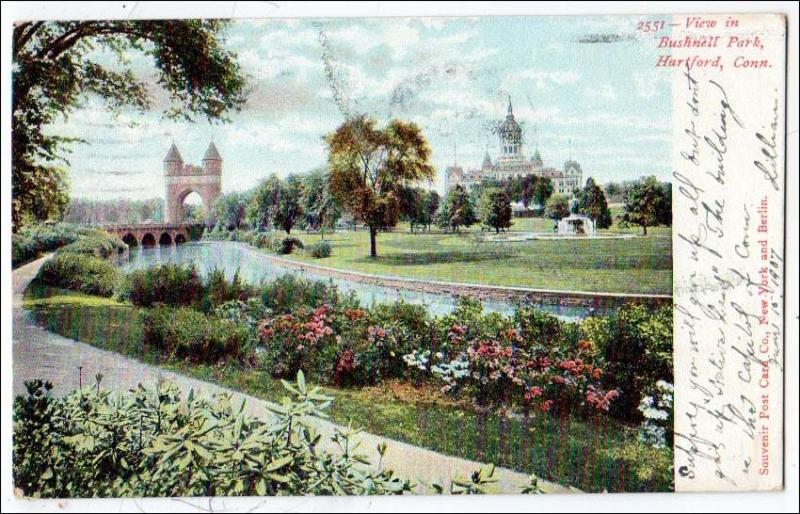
510	131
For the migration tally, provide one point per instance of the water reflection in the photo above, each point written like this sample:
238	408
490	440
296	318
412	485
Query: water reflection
255	266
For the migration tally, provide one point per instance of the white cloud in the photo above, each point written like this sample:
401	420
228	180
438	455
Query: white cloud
604	92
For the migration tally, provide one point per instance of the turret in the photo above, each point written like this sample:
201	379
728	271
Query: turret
173	162
212	161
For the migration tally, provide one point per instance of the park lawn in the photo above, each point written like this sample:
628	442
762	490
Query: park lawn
597	454
639	265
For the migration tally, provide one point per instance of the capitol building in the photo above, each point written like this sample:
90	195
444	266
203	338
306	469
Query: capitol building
512	162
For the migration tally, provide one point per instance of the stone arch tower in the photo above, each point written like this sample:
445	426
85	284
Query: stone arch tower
182	179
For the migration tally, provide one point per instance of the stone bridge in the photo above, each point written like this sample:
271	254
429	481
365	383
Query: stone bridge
152	234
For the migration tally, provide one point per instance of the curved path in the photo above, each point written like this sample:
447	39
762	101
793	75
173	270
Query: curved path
38	353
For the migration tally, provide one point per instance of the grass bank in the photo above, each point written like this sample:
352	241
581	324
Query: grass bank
596	454
638	265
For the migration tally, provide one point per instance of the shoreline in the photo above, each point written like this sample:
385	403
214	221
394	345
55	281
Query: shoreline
511	294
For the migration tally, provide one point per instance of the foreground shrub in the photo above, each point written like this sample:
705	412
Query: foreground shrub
186	333
170	284
86	274
33	240
289	292
92	443
321	249
218	289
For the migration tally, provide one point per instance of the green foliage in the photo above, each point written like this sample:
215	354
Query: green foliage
169	284
189	334
321	249
229	211
457	210
369	166
288	244
120	210
92	443
56	66
289	292
23	249
320	209
592	203
97	243
637	347
496	209
34	239
648	202
83	273
557	207
217	289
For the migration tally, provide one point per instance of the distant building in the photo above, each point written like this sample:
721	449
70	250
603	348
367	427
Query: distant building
512	162
182	179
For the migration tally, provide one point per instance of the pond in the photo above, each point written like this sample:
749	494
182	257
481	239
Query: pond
255	266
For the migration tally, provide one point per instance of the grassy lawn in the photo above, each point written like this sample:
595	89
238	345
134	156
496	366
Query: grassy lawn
590	454
640	265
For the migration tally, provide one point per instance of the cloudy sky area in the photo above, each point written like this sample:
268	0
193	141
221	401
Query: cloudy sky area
451	75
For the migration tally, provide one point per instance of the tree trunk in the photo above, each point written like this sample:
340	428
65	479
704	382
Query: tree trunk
373	236
496	230
644	230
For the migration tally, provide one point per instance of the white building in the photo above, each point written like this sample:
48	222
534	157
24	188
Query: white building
512	162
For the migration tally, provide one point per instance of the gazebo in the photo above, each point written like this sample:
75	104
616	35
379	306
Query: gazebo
576	225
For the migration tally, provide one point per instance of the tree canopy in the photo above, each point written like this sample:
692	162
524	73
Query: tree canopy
457	210
369	166
496	209
648	203
58	64
592	202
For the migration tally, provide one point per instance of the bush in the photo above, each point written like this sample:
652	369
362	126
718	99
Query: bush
97	243
289	244
289	292
170	284
186	333
218	290
32	240
92	443
321	249
637	346
83	273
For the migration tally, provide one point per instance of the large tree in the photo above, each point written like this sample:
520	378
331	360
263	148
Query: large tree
457	210
58	64
557	207
289	208
496	209
320	209
646	204
263	202
229	210
369	165
592	203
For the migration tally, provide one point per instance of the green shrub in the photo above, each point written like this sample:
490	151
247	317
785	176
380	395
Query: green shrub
218	289
321	249
97	243
289	244
170	284
290	292
83	273
189	334
152	442
23	249
637	347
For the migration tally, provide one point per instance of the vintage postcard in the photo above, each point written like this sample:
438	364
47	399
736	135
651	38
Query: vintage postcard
446	255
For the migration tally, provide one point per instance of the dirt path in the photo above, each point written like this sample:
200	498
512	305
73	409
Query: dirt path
38	353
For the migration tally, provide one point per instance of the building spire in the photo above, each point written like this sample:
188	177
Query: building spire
510	110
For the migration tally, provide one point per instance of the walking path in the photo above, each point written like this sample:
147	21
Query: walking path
38	353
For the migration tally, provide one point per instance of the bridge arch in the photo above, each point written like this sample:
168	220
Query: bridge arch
180	239
165	239
130	240
148	240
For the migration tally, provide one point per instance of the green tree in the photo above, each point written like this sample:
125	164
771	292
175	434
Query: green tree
557	207
431	205
369	165
229	210
289	208
496	209
457	210
592	203
320	209
542	191
264	202
644	202
58	64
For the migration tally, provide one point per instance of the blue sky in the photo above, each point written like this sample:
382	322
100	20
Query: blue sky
450	75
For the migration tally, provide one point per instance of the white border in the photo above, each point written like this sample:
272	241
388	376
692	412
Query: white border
786	501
